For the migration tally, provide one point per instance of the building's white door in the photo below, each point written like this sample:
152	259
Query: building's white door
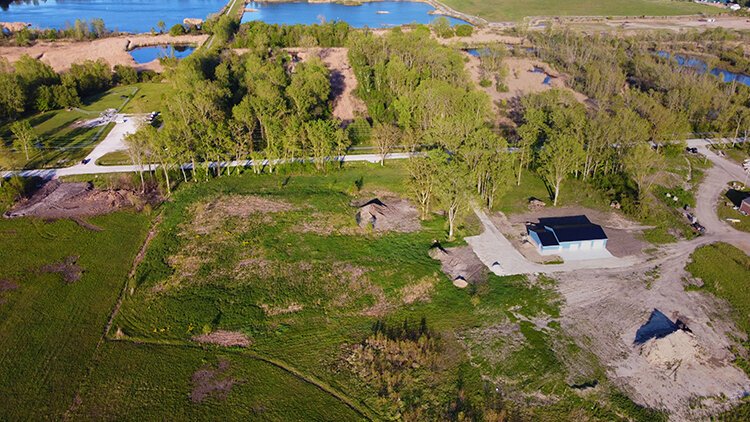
574	246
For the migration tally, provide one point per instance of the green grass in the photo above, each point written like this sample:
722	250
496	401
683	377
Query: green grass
63	145
154	382
724	211
725	271
514	10
114	159
48	328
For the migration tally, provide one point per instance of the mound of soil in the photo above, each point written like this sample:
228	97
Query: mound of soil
68	269
389	214
211	382
57	200
671	351
224	338
461	264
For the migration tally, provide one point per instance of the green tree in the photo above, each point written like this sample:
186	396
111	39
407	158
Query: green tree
451	190
385	136
309	89
423	173
560	156
24	137
642	163
12	96
162	26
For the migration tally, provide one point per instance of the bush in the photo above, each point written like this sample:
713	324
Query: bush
485	83
177	30
464	30
359	131
125	75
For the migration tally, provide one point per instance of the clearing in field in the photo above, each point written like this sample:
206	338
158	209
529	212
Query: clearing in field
515	10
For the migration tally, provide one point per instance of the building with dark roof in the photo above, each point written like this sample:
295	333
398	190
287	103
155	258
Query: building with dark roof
574	233
745	205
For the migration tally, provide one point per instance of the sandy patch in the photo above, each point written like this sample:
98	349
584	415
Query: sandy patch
211	382
691	376
62	54
388	214
484	35
224	338
68	269
73	200
525	76
346	106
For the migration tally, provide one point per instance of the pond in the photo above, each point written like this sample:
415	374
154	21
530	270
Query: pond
148	54
702	67
372	15
123	15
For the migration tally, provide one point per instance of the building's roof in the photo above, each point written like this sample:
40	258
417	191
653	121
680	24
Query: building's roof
746	200
573	229
546	238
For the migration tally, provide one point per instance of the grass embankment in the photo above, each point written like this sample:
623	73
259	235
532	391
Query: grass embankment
62	144
515	10
725	271
307	287
49	328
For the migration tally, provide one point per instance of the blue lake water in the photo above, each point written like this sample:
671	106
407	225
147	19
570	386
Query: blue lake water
399	13
147	54
702	67
123	15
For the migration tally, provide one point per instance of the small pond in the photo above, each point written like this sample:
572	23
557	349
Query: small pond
379	14
702	67
148	54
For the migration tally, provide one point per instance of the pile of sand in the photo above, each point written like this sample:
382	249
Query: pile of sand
673	350
390	214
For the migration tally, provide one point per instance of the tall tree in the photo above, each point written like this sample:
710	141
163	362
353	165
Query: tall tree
642	163
452	189
560	156
422	180
24	136
385	136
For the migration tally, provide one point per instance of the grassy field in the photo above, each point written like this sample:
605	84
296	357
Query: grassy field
64	145
514	10
307	287
49	328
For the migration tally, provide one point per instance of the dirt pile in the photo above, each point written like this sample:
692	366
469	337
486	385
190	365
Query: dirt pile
672	351
224	338
211	382
72	200
461	264
68	269
389	214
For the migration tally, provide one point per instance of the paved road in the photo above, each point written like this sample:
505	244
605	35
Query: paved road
125	124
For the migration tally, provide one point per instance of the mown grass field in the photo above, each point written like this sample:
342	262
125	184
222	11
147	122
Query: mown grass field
49	328
514	10
63	145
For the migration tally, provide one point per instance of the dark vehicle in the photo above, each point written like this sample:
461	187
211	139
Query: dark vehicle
86	161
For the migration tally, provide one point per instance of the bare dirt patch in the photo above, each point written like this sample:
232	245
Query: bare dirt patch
692	376
224	338
461	264
114	50
68	269
211	382
624	236
208	216
389	214
273	311
346	106
57	200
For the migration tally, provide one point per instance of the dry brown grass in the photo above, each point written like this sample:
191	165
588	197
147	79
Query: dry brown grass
68	269
421	291
224	338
